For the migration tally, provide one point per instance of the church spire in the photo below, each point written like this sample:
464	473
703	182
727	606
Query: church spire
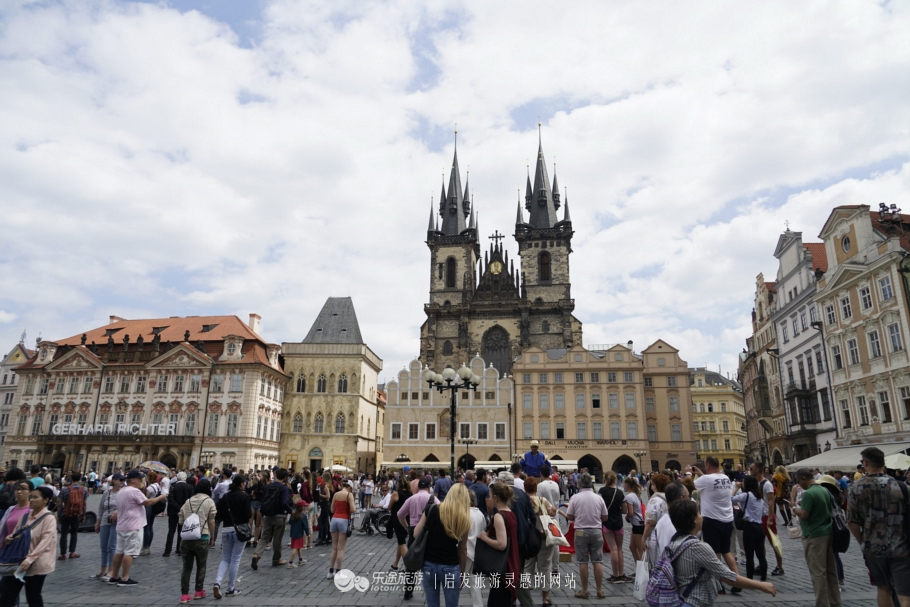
555	189
467	197
519	220
432	226
453	211
543	209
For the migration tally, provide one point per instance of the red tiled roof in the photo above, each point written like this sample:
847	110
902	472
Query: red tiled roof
771	286
819	255
174	330
891	229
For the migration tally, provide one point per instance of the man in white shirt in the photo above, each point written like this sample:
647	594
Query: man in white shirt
715	490
549	490
664	531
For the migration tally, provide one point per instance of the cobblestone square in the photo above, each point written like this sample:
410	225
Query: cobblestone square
369	557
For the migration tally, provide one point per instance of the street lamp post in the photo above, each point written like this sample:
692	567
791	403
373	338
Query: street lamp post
448	382
467	442
639	455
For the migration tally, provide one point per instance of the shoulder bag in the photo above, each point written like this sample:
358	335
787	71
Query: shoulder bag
739	514
16	550
414	557
243	530
489	560
554	535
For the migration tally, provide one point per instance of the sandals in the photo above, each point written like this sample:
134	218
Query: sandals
582	595
601	595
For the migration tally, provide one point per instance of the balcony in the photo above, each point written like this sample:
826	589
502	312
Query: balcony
799	388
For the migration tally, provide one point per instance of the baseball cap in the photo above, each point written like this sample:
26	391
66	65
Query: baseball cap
135	474
117	477
406	469
535	443
423	483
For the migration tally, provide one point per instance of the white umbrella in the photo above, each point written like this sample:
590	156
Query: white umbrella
898	461
340	468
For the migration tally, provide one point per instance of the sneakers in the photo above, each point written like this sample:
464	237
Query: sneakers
330	575
735	590
127	583
843	587
73	555
105	578
216	591
292	566
200	594
143	552
778	571
185	598
279	563
233	592
614	579
114	581
166	554
255	563
62	557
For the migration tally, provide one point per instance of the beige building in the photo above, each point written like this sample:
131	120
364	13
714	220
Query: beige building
863	304
334	411
9	383
718	416
418	422
199	389
608	409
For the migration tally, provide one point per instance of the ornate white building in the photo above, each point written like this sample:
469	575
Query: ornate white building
200	389
9	382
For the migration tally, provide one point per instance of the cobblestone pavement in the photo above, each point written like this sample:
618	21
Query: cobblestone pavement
159	579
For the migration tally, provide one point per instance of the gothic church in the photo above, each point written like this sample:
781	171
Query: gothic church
487	305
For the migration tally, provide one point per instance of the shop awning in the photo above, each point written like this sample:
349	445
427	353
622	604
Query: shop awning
844	458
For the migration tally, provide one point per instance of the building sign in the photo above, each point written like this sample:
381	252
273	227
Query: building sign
582	444
135	429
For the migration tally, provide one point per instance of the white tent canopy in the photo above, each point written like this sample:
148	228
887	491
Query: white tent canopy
844	458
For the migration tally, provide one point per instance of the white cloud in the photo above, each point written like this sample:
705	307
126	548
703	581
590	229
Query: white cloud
149	165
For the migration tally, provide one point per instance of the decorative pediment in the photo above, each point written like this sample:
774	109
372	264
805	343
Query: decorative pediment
69	408
121	407
40	408
159	407
84	407
175	406
137	408
843	275
233	408
105	408
192	408
215	408
76	359
181	356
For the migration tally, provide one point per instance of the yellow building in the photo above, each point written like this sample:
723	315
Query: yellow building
608	408
718	416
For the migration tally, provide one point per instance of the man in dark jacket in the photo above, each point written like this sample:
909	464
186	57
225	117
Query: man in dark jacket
526	519
276	505
180	492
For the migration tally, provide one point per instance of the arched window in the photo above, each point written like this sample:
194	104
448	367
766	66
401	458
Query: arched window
339	423
361	424
318	422
450	273
368	427
710	407
301	383
343	384
316	453
298	423
447	348
320	383
543	262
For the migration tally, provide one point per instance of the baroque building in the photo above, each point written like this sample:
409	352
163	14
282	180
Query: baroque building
334	410
184	391
810	423
718	416
863	303
9	382
608	408
488	306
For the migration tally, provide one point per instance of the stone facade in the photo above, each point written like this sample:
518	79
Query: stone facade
488	306
718	417
184	391
862	300
607	409
9	382
418	423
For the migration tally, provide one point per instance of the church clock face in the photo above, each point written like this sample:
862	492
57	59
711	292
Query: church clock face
496	267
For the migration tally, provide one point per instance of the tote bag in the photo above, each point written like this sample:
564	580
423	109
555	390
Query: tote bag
642	575
414	557
555	536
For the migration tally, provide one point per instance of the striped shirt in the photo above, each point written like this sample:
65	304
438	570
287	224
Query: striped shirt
687	565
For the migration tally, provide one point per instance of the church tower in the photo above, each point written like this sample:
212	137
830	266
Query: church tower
544	244
454	251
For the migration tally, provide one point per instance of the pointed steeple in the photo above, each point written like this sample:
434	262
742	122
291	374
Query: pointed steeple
432	226
467	197
543	210
555	189
566	216
519	220
528	193
442	196
453	215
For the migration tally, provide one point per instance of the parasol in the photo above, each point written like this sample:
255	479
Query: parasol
155	467
898	461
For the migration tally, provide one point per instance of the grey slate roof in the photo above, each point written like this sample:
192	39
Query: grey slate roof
336	324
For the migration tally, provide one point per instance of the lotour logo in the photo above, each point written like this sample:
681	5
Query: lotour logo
345	580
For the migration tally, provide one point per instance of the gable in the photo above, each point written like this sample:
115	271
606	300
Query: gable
844	274
76	359
658	347
181	356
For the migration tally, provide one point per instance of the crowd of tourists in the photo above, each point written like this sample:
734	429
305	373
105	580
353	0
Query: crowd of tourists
692	533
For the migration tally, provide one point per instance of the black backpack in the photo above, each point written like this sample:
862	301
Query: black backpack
270	500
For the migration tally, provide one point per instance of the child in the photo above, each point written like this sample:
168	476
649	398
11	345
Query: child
298	531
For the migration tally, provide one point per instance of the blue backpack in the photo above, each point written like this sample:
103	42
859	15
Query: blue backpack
16	550
662	590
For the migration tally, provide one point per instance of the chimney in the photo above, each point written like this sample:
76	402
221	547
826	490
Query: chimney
254	323
116	319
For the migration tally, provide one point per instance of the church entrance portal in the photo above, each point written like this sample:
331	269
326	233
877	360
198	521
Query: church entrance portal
593	465
466	461
169	460
497	350
624	464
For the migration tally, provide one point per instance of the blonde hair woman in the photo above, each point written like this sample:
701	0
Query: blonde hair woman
447	545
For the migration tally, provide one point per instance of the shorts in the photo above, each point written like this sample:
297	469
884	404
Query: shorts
717	534
256	505
892	572
619	531
339	525
129	543
589	544
638	529
297	543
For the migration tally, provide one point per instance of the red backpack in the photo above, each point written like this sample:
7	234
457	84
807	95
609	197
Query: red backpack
75	502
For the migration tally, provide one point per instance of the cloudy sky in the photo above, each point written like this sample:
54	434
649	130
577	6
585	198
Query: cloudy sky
213	156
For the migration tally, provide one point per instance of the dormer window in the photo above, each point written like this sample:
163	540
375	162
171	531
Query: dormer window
157	330
110	332
231	348
43	353
207	328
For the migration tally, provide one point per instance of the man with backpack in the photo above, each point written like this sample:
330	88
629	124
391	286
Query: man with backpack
814	514
876	514
70	514
276	505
